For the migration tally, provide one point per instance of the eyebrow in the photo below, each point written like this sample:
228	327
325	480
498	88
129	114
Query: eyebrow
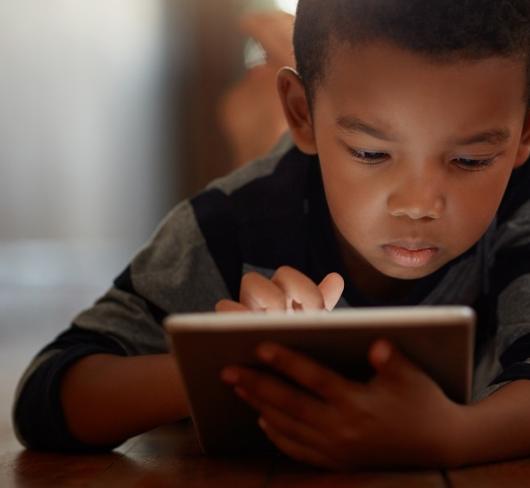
352	124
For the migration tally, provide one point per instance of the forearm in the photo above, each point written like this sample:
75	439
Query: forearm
496	428
107	399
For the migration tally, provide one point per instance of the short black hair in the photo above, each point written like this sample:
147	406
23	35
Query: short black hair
442	30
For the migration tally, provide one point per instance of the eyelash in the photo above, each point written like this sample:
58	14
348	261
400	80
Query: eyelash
472	164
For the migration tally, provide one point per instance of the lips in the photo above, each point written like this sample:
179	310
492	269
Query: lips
412	245
411	254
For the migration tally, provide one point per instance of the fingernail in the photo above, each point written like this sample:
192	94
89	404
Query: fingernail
229	375
266	352
262	423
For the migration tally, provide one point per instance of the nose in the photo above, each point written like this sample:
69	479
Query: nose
417	198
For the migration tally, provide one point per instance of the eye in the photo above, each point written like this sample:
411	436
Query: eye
473	164
368	157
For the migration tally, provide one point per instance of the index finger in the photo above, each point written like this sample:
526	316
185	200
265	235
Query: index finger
331	288
316	378
261	294
298	287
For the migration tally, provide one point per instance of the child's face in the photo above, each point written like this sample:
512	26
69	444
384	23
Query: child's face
441	141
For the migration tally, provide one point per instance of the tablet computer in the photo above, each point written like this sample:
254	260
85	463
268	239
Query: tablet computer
439	339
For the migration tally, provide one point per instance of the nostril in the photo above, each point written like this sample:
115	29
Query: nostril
430	209
416	214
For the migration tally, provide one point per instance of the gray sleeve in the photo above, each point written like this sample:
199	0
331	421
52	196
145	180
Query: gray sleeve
173	273
506	357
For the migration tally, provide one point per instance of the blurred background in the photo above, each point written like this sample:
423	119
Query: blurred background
112	111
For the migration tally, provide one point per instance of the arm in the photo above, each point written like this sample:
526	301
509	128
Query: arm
142	391
498	426
495	428
116	349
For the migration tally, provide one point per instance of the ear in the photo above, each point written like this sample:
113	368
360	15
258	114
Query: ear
296	109
523	153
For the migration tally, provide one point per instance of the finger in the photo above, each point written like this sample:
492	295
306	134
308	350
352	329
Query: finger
331	287
321	381
230	306
388	361
259	293
298	287
379	354
266	390
291	427
295	450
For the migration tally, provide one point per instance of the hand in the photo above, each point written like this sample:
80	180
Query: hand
288	289
253	124
399	418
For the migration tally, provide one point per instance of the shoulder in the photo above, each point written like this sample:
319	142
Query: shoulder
511	243
265	189
260	168
513	216
517	195
182	229
255	215
210	235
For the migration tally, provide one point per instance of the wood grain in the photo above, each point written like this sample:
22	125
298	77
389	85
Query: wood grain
513	474
170	456
287	474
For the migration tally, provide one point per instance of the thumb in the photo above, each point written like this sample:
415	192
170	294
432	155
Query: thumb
331	288
388	360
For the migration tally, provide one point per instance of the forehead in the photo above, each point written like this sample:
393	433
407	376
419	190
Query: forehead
381	76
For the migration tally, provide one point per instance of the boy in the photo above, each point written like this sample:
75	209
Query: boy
407	185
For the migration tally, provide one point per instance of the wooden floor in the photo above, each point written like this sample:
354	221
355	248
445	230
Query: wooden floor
170	457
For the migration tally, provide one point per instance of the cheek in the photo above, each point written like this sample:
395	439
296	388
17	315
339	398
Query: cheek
473	204
475	210
354	201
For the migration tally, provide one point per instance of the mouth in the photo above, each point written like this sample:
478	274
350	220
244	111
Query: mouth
411	254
